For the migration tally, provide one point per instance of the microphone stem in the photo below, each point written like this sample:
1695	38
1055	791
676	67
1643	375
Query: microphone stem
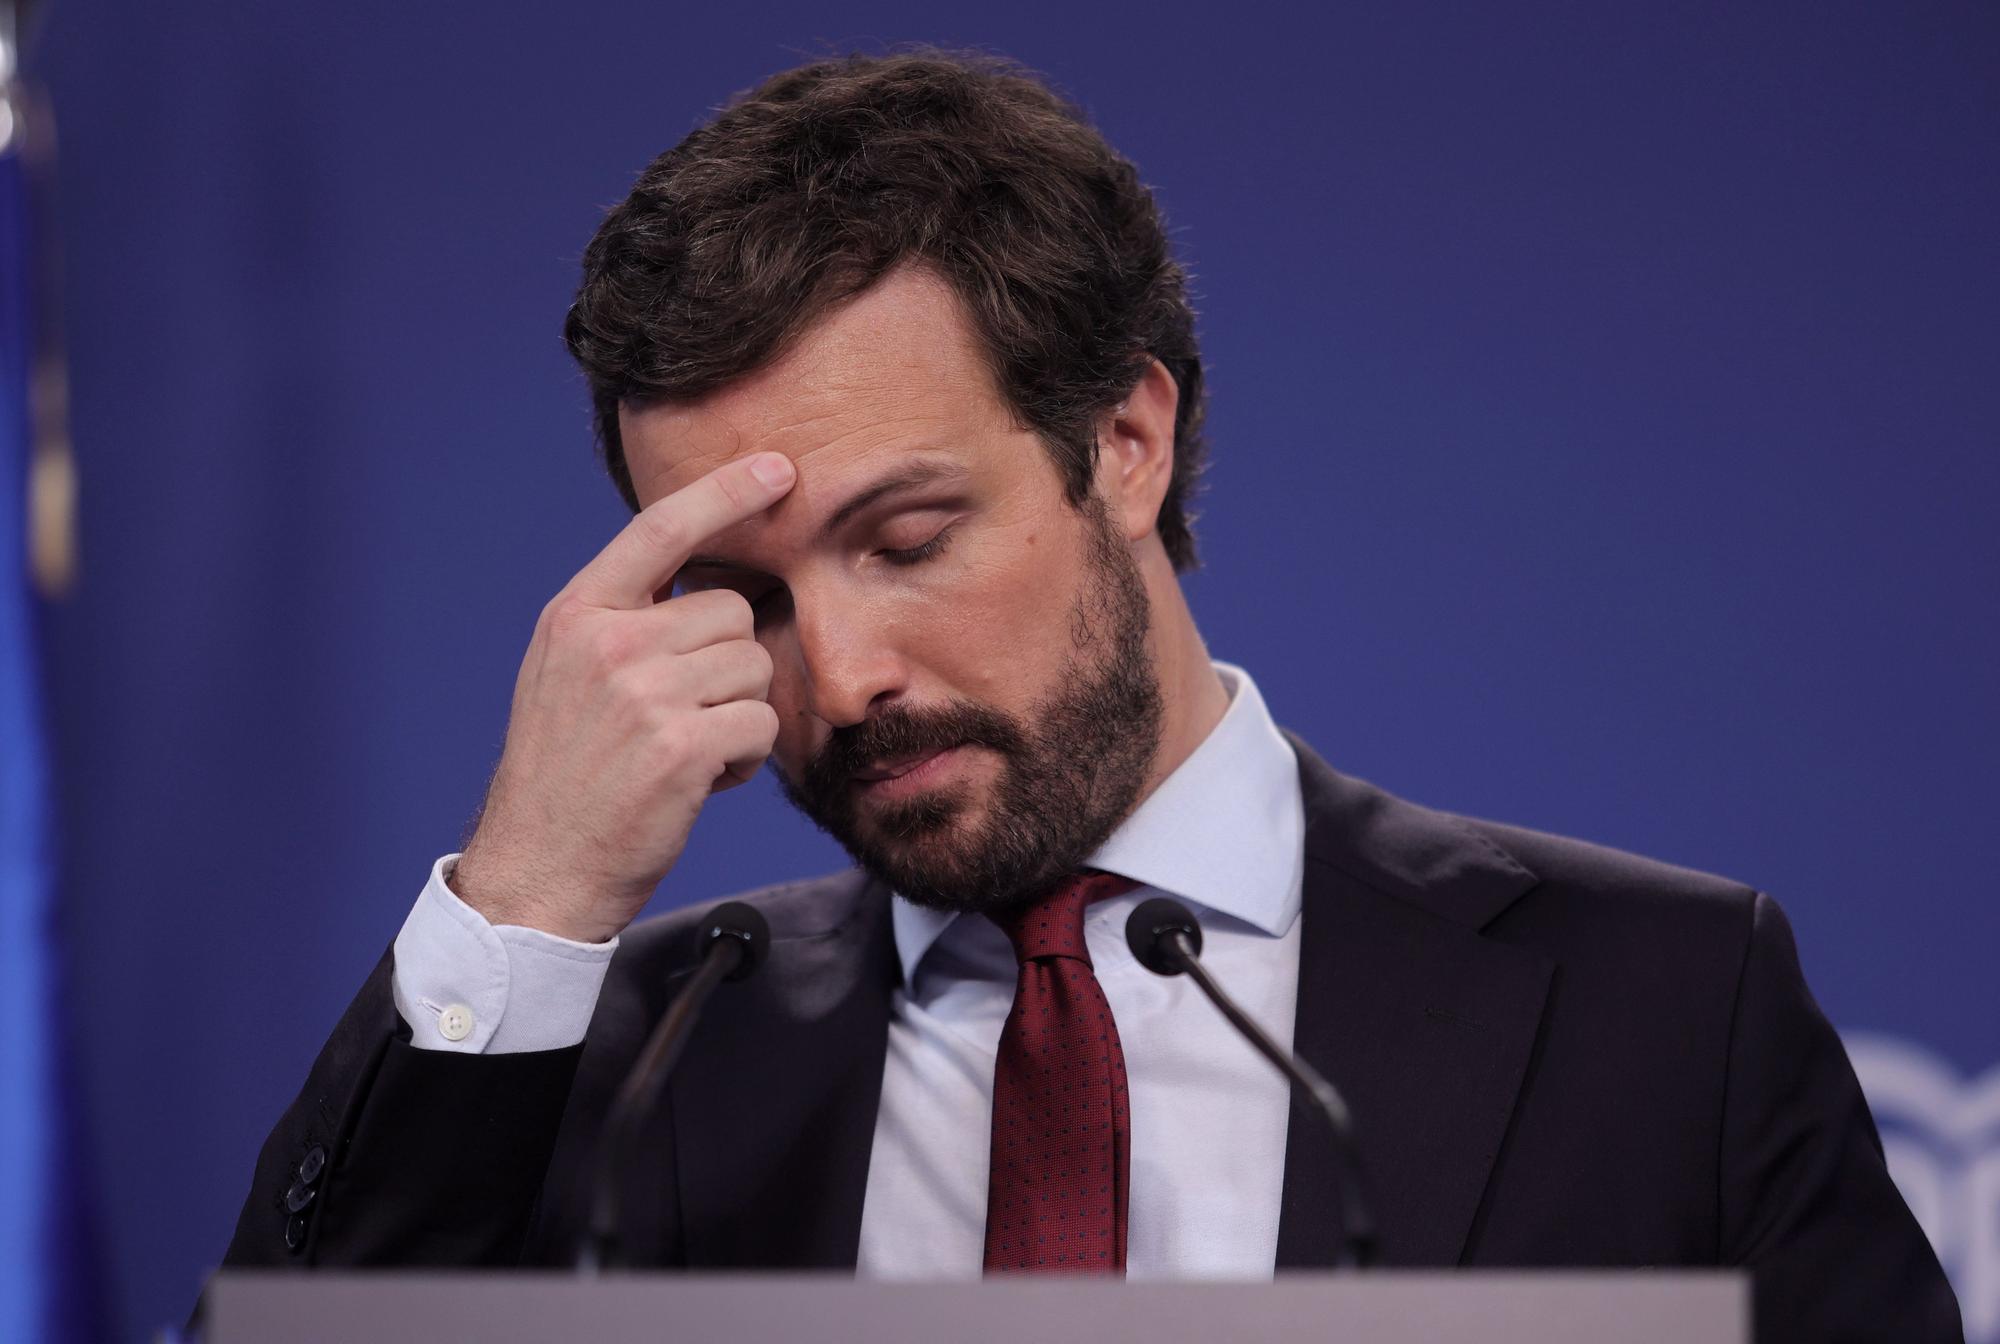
635	1096
1358	1231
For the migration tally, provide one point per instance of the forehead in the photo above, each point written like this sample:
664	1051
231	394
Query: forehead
895	371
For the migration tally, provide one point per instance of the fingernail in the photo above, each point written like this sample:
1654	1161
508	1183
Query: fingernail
773	469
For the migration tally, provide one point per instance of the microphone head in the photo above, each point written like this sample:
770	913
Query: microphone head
745	923
1148	931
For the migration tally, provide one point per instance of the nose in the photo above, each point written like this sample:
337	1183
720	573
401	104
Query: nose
848	663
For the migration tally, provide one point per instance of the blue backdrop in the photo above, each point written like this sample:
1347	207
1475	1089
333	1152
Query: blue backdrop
1604	430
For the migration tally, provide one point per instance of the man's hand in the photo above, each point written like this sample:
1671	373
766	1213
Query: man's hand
627	714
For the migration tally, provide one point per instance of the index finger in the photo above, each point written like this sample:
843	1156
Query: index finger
648	551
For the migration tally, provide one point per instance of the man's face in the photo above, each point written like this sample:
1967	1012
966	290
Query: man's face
965	692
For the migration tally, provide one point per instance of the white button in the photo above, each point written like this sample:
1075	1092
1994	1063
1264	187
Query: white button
455	1022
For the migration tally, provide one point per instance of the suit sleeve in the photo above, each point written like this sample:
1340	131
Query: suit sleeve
392	1155
515	989
1807	1203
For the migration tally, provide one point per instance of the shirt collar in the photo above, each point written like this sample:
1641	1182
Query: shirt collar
1225	830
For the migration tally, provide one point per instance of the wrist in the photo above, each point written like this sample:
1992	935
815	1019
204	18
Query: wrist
501	896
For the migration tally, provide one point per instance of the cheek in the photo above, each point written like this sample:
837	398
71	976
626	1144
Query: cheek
1001	628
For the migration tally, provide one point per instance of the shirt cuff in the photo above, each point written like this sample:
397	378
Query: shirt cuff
475	988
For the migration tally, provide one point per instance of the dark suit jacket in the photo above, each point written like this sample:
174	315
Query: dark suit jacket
1555	1054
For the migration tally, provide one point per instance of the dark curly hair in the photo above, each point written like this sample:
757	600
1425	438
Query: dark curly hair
809	188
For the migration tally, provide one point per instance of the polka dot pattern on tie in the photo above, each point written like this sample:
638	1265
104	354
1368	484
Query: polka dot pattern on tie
1057	1194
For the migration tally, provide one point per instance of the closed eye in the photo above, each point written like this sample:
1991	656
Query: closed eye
916	555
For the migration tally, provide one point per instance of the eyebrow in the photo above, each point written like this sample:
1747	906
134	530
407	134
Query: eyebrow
905	478
896	482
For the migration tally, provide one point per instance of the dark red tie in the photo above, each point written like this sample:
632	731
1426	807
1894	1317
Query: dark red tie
1057	1193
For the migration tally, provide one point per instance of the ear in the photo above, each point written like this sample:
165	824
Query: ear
1135	452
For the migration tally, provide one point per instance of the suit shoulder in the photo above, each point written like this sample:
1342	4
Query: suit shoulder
1473	871
1567	861
1612	901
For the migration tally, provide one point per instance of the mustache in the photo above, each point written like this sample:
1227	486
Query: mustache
899	731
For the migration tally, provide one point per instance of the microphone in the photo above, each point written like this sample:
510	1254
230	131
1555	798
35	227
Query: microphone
733	943
1166	938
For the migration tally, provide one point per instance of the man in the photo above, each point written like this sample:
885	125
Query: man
894	365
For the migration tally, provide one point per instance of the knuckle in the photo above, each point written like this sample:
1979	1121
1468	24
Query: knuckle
730	485
748	729
723	606
674	740
750	720
735	609
612	644
628	686
660	530
560	612
750	658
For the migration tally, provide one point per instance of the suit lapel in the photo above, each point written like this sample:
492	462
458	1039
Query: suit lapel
774	1103
1425	1026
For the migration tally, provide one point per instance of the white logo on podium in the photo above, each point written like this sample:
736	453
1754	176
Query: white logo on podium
1941	1135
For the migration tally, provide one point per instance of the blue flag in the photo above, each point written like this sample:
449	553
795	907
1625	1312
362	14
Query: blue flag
39	1269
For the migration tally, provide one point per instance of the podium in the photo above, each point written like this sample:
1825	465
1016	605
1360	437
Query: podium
1380	1307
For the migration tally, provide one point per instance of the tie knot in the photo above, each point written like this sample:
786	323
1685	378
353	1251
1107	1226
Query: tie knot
1053	926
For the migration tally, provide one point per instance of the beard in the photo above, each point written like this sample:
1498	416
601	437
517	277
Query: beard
1069	773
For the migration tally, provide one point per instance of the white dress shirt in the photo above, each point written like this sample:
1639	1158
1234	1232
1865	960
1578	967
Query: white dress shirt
1223	833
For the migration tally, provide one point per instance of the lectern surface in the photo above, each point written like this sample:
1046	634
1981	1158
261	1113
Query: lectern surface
1386	1307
